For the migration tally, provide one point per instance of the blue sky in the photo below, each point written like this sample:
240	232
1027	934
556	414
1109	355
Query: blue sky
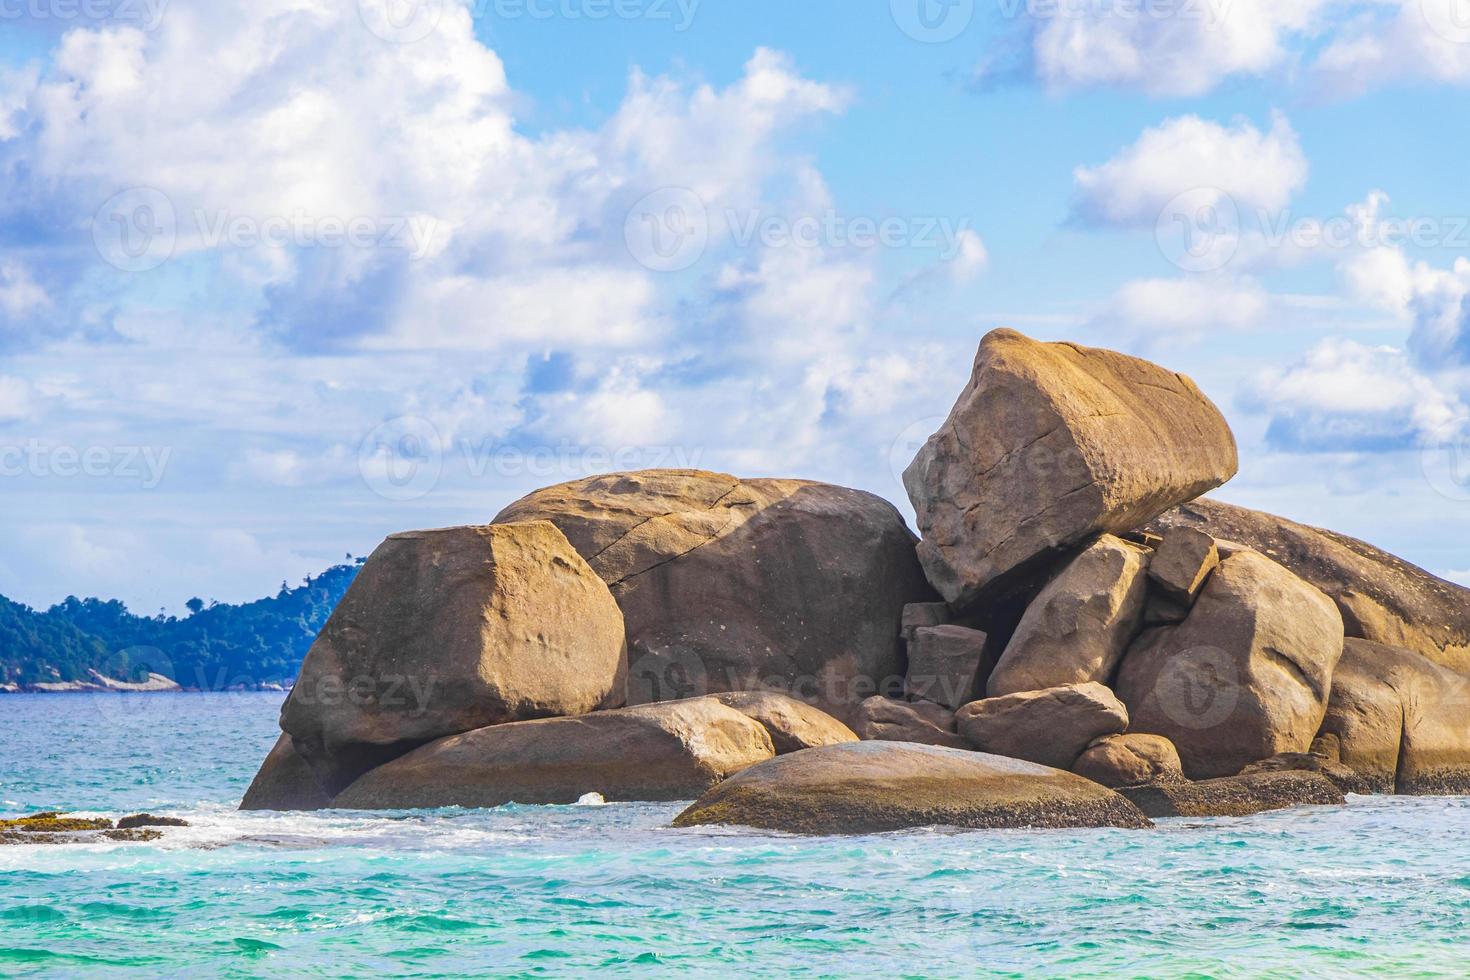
278	278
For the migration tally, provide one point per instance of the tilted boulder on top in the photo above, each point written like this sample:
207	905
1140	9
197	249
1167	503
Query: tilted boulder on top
732	585
1246	676
451	630
1048	445
1382	598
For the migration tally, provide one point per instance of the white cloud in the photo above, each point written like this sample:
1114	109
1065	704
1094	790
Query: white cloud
971	259
1343	395
20	296
1175	49
1255	170
15	399
1185	308
1392	41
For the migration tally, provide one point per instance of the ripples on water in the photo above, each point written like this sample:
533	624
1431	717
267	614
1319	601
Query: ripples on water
1382	886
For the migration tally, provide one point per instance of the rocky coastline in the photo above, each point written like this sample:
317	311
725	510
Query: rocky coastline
1076	637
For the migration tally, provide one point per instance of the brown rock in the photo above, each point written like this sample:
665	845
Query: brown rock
448	631
792	725
1077	629
1344	778
734	585
1246	676
873	787
943	664
1130	760
919	614
1182	563
1050	727
138	820
1159	611
1048	445
921	722
1382	598
1235	796
670	751
285	782
1401	721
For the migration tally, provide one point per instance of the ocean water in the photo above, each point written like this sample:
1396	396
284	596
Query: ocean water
1379	887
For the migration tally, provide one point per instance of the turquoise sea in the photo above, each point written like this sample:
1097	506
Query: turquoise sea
1381	887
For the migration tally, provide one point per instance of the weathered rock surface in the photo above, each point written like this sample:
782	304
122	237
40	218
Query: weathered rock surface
1078	628
1051	727
873	787
1181	564
670	751
944	662
1050	444
1245	677
792	725
922	722
732	585
1235	796
451	630
1130	760
1344	778
1401	721
285	782
1382	598
920	614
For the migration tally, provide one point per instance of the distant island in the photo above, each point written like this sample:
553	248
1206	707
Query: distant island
96	644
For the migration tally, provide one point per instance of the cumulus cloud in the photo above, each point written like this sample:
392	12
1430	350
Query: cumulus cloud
1240	163
1187	308
1346	396
1396	41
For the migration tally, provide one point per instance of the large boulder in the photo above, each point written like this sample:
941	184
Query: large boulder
733	585
1130	760
873	787
1234	796
285	782
793	725
1050	727
1048	445
922	722
660	752
1245	677
1382	597
451	630
1078	628
1400	721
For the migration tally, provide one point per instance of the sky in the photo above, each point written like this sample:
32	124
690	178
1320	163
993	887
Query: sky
281	277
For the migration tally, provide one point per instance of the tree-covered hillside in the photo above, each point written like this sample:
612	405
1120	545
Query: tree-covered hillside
215	647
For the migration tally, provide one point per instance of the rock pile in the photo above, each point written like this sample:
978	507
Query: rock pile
1073	624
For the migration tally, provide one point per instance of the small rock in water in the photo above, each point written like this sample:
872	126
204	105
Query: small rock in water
591	799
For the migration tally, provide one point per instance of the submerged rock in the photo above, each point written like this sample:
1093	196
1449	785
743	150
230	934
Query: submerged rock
285	782
1400	721
451	630
1245	677
1050	727
1235	796
792	724
670	751
872	787
1050	444
732	585
922	722
1381	597
1077	629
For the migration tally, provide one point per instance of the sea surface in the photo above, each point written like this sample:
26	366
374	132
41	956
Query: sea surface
1381	887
